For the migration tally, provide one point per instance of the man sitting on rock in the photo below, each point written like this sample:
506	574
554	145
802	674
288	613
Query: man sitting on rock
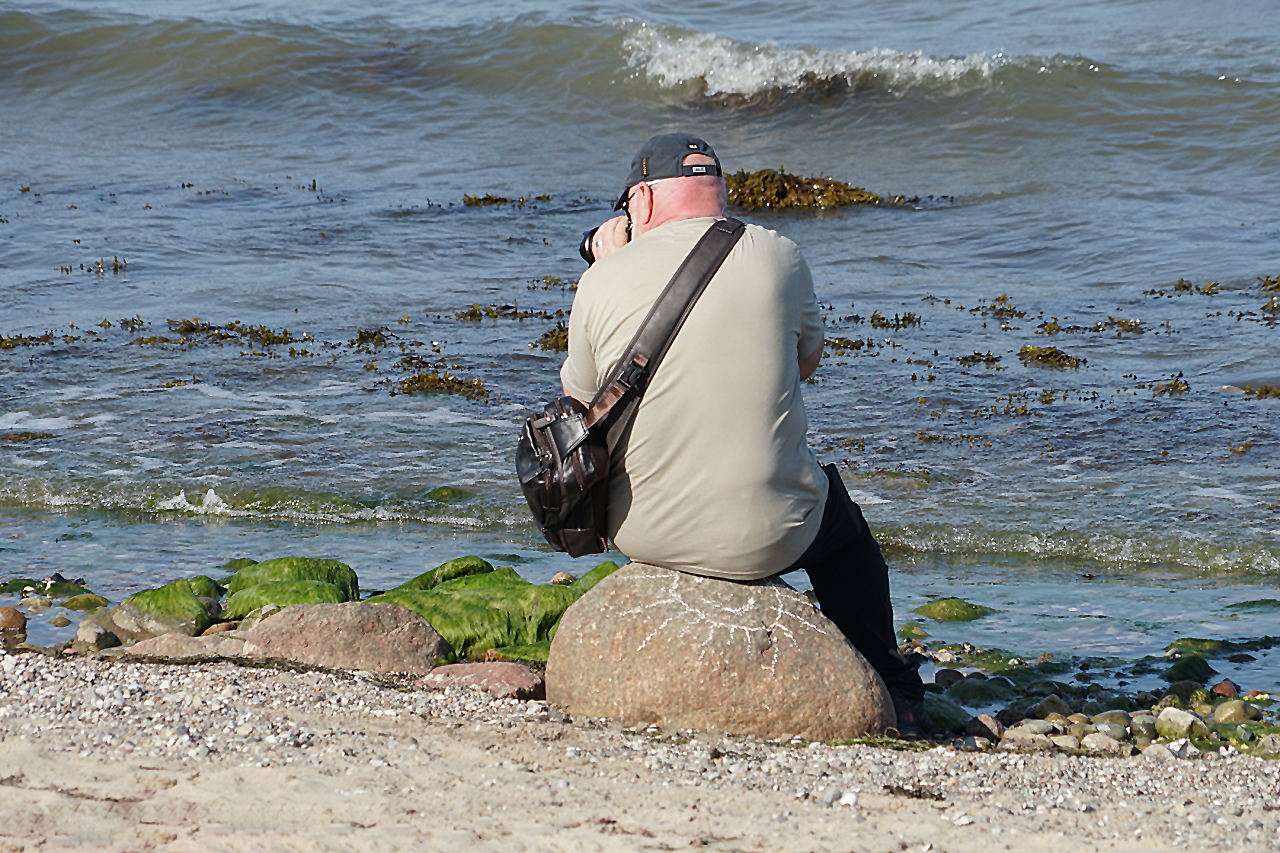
716	477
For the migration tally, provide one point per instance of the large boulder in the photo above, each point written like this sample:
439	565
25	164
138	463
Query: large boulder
13	626
170	609
652	645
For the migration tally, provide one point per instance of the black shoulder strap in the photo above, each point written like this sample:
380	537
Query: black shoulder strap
634	370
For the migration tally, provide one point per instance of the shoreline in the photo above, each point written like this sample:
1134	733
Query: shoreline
99	754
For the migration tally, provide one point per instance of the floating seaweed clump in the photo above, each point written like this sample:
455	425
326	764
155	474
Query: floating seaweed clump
493	312
12	341
879	321
1262	391
1270	282
371	337
1049	357
1121	325
846	345
490	200
443	383
1174	387
549	281
978	358
24	436
555	339
1184	286
1000	307
770	188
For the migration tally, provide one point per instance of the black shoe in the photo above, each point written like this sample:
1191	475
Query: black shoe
913	720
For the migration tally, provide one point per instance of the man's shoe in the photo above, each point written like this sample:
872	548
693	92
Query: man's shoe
913	720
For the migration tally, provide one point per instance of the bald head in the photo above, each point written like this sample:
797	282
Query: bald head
658	202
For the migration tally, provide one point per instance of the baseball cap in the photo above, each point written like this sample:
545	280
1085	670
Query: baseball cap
663	157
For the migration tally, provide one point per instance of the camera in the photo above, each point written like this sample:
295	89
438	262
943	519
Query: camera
587	247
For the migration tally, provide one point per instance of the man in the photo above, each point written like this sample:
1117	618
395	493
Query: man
716	477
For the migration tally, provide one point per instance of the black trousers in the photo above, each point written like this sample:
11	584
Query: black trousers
851	581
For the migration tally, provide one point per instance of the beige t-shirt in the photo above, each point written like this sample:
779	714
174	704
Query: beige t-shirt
717	477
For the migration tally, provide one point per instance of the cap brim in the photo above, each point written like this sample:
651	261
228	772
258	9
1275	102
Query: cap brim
622	199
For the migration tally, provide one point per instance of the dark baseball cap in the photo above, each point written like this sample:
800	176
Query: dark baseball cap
663	157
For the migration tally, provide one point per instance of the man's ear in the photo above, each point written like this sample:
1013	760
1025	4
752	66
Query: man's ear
646	206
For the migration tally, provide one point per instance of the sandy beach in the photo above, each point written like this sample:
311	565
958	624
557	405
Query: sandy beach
98	754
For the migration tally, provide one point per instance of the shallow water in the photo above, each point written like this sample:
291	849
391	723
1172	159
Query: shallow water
302	171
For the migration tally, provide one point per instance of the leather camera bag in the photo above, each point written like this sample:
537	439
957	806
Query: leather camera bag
562	455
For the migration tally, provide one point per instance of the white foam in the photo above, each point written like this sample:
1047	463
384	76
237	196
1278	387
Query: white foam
1224	494
22	462
866	498
674	57
24	421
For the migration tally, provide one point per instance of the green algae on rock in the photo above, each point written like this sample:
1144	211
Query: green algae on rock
299	569
456	568
447	494
479	609
281	593
776	188
238	563
171	609
530	653
953	610
206	587
945	714
85	601
1189	668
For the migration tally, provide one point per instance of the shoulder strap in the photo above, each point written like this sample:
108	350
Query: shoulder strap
631	375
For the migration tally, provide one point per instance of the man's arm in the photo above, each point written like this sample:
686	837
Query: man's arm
809	363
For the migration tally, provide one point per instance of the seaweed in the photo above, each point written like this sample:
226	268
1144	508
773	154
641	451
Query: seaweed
1122	325
1048	357
14	437
1183	286
978	358
367	338
11	341
1270	282
493	312
845	345
879	321
1262	391
1000	307
555	339
490	200
443	383
1174	387
776	189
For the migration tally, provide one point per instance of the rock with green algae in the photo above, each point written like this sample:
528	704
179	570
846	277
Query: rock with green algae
945	714
952	610
237	564
299	569
170	609
85	601
57	590
206	587
281	594
447	494
981	691
1189	668
455	568
478	610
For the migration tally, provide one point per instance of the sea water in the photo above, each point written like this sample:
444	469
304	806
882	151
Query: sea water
230	233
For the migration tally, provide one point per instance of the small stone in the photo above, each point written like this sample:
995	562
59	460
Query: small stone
96	637
562	579
1158	752
1065	741
1021	738
1052	704
985	726
1183	748
1100	742
60	622
1113	731
12	623
1267	746
503	679
1119	718
1034	727
947	677
1081	730
1226	687
849	799
1236	711
1143	726
1176	723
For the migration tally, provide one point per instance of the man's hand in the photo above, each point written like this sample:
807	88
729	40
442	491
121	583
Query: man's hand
809	363
611	237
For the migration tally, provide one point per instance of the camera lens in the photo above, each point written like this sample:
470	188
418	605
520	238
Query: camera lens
585	249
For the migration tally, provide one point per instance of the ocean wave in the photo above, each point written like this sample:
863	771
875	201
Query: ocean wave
721	66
